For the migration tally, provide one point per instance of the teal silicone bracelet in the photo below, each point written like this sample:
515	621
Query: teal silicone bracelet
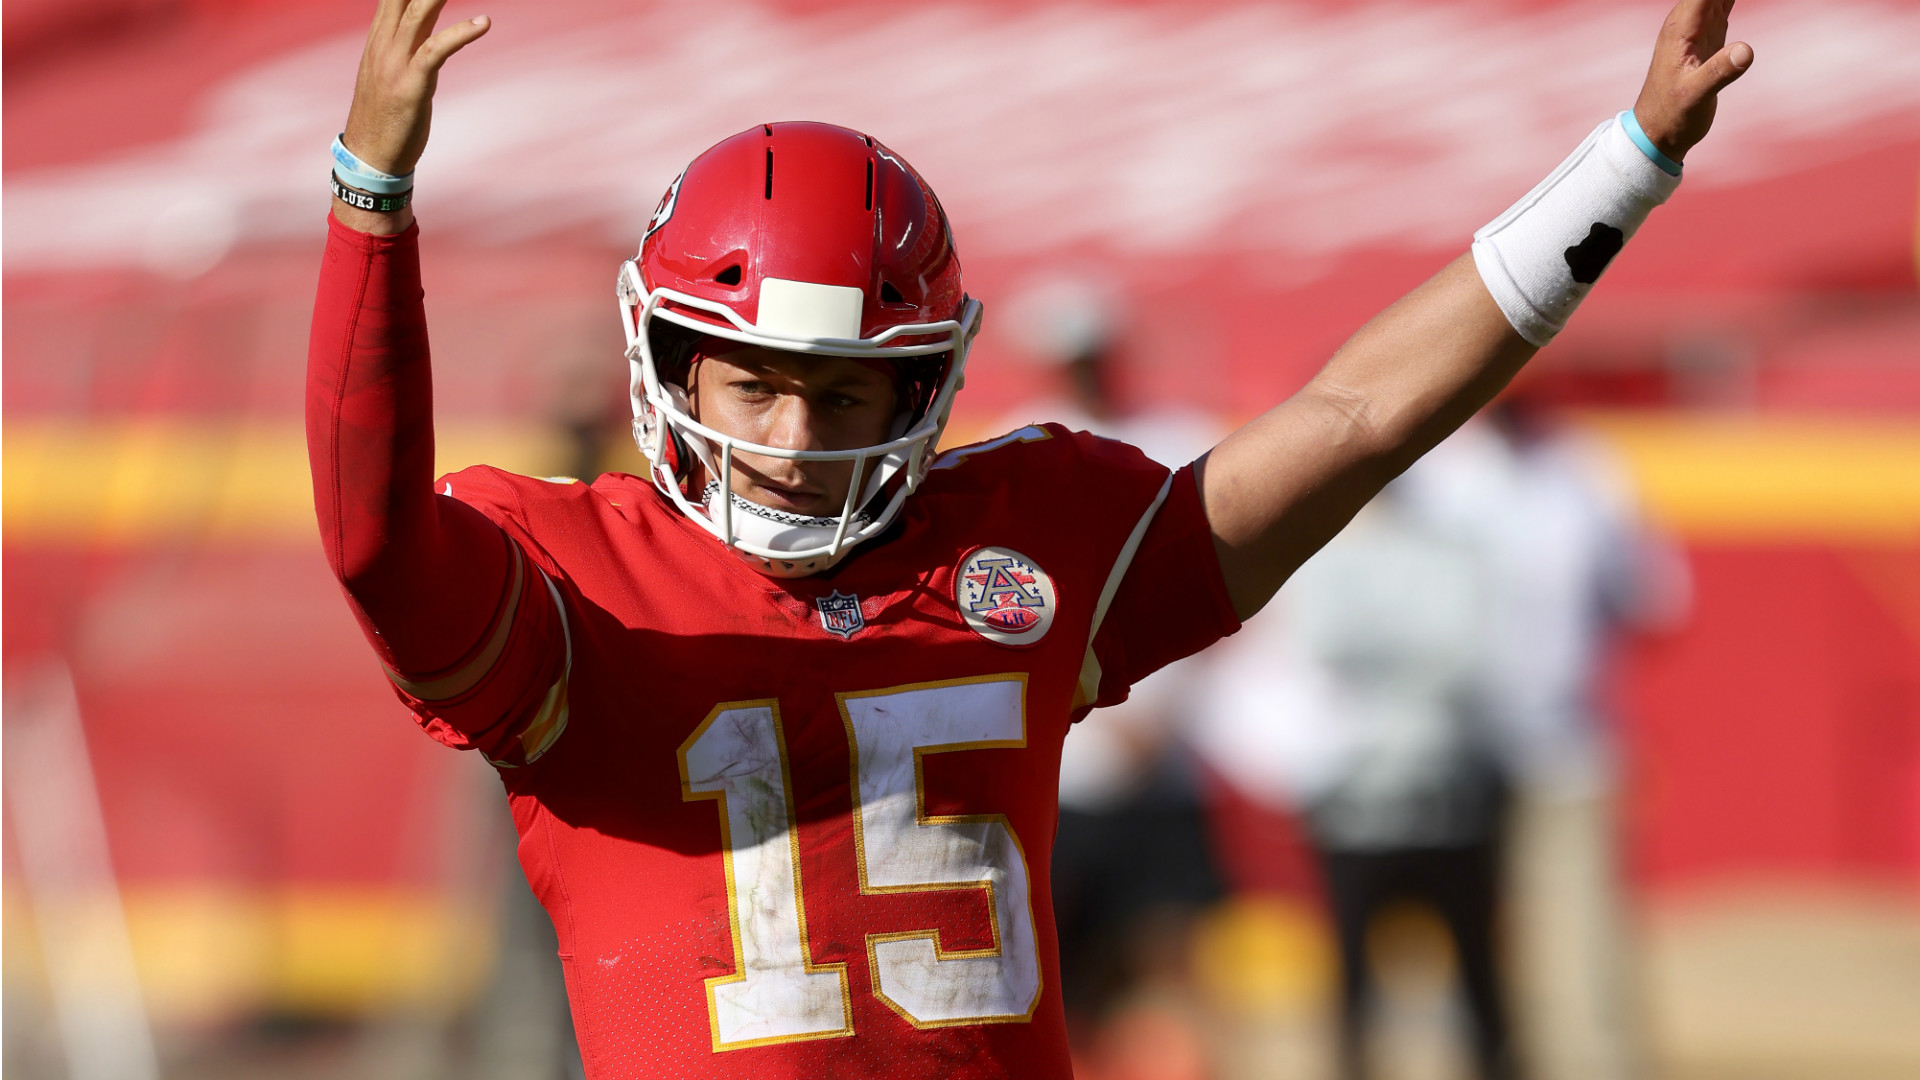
359	174
1639	137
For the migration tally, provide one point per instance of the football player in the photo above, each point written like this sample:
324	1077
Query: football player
781	721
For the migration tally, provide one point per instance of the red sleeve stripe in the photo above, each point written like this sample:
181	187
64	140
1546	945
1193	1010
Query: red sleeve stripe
467	675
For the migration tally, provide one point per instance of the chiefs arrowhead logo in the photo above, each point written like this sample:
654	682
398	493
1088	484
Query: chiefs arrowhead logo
665	210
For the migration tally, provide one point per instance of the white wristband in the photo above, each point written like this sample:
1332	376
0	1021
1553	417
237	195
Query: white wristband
1541	257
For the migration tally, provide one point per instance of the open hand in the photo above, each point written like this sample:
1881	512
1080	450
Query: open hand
1692	63
393	97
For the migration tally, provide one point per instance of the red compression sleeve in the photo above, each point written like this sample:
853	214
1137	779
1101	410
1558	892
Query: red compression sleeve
441	592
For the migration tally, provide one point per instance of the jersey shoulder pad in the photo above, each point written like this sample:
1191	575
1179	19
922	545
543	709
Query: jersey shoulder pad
1043	453
512	498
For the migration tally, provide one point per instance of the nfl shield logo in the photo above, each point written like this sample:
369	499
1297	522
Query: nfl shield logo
840	614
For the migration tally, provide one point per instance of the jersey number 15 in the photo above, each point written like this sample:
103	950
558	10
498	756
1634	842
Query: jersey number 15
738	757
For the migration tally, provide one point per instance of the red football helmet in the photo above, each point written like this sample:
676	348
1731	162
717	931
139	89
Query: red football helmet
813	239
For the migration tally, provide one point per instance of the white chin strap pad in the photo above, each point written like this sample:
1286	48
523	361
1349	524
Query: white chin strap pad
1541	257
775	530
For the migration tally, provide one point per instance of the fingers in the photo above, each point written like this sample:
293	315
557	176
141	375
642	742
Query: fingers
1711	33
1725	66
451	40
1696	28
1687	15
418	20
387	12
1693	14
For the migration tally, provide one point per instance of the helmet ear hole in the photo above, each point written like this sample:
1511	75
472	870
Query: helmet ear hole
890	295
672	349
730	276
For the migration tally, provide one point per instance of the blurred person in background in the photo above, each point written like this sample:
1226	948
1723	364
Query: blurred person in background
1396	776
1569	566
1557	518
576	633
1132	862
1427	692
1071	324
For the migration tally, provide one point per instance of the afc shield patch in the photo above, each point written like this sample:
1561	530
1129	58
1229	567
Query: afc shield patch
1004	596
840	614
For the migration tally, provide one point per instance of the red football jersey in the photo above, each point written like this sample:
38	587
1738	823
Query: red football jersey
784	828
802	828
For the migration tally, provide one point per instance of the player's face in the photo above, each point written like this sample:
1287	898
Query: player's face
792	402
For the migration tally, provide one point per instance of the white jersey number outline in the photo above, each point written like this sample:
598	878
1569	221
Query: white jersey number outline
738	757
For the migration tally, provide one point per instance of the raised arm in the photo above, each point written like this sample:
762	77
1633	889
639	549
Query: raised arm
460	618
1283	485
393	97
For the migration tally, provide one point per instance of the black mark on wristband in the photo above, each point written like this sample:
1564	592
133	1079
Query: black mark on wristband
1590	256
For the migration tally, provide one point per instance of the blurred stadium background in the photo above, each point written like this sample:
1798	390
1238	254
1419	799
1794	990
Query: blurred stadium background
223	831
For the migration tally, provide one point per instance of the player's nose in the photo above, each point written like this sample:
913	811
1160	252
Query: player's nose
794	425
